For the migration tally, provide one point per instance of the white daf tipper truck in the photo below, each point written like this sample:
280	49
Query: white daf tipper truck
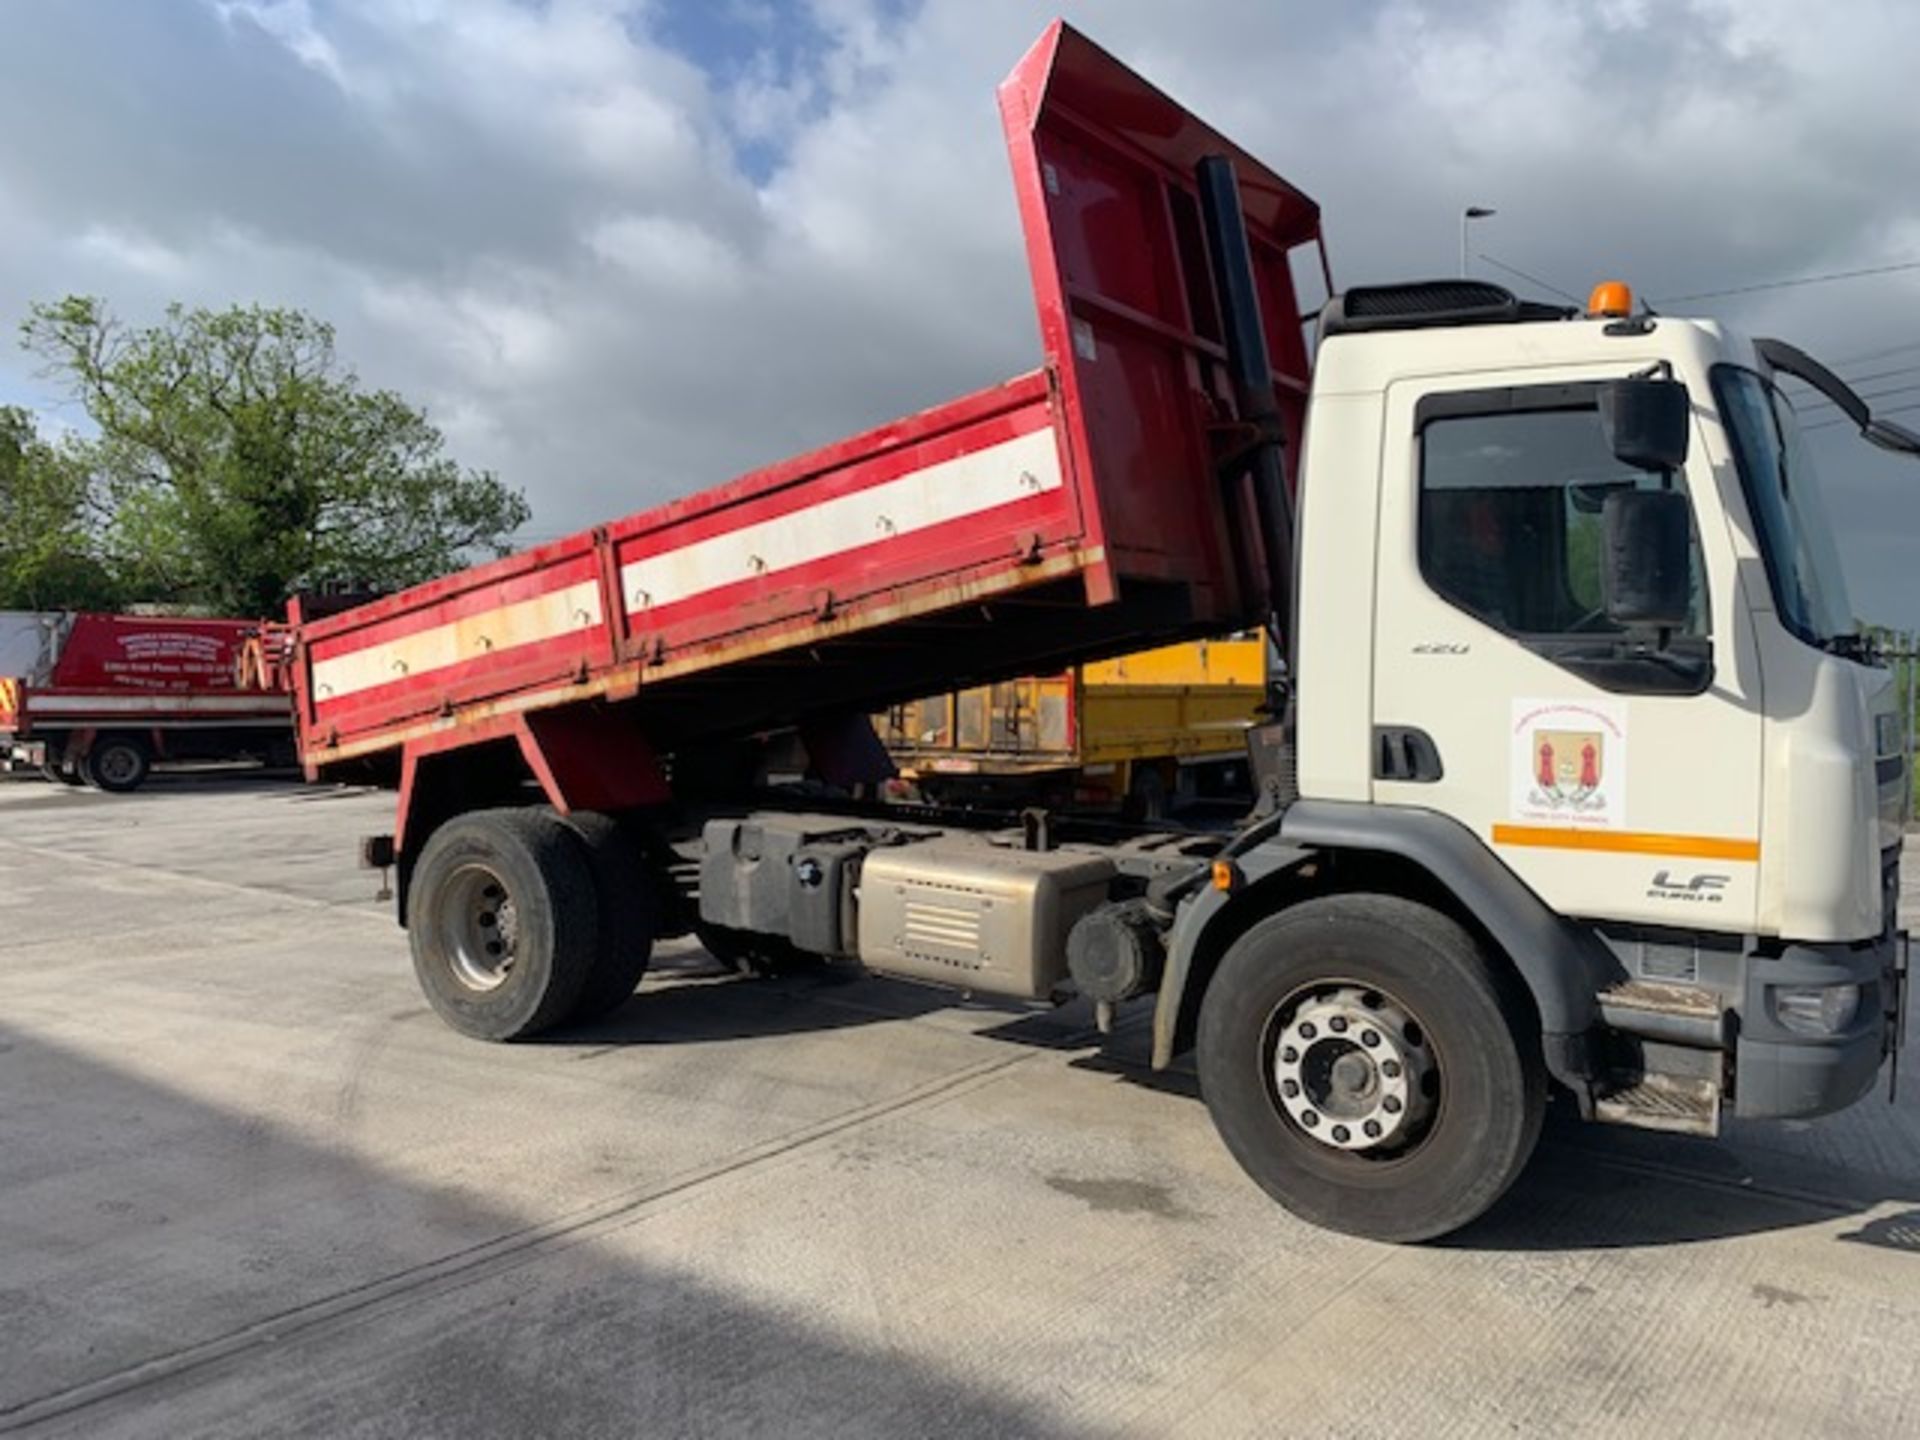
1580	774
1580	685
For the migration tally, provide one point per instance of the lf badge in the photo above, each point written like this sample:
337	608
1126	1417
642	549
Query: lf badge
1698	889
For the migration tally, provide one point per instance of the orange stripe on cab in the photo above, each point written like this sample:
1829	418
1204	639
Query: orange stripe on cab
1627	842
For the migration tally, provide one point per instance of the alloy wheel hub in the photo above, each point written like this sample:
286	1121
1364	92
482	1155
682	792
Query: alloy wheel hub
1353	1070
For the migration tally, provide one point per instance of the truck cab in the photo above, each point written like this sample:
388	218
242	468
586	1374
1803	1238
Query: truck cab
1715	774
1706	793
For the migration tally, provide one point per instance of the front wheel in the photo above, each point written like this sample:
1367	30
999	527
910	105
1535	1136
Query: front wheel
1370	1068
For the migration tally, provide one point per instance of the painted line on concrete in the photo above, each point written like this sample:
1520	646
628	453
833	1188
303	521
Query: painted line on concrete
234	887
489	1258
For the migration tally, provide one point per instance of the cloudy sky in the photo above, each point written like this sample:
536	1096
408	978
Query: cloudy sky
625	250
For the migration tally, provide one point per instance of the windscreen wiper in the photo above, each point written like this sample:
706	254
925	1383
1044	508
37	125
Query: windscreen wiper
1795	361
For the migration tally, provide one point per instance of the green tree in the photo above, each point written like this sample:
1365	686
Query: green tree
240	460
48	549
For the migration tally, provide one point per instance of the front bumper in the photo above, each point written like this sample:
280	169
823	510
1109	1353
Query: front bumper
23	754
1779	1074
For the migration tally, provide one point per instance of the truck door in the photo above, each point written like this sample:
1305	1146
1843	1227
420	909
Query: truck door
1618	783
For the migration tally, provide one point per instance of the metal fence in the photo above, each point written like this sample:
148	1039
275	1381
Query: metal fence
1902	652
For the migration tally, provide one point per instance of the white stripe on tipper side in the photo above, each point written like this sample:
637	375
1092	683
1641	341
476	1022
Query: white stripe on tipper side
525	622
972	484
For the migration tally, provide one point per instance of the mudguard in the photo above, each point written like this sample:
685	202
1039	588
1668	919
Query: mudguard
1563	964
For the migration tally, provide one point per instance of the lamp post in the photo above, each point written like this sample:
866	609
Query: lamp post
1467	217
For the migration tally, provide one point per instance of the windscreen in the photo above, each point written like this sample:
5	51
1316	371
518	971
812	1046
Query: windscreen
26	644
1789	513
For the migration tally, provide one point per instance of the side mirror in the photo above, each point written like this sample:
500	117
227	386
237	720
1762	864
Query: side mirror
1646	422
1646	579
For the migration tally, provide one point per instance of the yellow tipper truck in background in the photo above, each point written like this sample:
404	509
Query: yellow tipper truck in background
1139	732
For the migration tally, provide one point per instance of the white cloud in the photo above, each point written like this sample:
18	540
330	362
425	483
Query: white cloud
291	23
128	250
498	336
663	252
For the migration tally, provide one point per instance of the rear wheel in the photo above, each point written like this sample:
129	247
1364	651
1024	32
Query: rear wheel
1370	1069
503	922
623	892
116	764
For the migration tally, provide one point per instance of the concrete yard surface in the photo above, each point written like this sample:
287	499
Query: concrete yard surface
249	1184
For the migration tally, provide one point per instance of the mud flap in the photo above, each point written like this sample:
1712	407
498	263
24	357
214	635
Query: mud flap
1897	1010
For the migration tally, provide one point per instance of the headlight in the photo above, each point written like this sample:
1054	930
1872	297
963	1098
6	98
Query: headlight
1816	1009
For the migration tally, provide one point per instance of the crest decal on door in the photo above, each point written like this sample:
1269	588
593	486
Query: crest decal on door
1569	762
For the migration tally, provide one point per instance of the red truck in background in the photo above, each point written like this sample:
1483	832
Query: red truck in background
96	699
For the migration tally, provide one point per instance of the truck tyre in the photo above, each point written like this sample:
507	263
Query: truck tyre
623	895
1369	1068
503	922
116	764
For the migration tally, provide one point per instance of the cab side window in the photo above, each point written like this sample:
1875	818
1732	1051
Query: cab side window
1511	525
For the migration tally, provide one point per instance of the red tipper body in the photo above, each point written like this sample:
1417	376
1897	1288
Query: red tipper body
123	672
1069	513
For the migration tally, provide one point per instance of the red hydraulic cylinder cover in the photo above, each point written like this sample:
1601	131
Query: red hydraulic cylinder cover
1105	169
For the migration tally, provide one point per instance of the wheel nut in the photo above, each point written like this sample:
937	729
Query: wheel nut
1289	1055
1290	1088
1391	1104
1307	1031
1372	1127
488	919
1338	1024
1370	1038
1390	1069
1342	1134
1310	1118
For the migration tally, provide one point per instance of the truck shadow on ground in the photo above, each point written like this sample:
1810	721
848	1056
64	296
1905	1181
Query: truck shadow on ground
691	997
187	1261
1587	1186
235	779
36	792
1591	1187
